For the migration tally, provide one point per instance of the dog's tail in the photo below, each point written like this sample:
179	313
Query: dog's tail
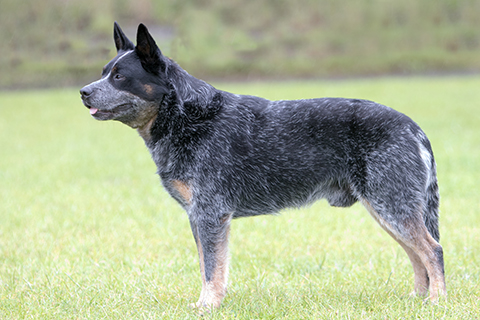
430	216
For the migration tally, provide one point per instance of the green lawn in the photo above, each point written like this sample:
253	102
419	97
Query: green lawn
86	230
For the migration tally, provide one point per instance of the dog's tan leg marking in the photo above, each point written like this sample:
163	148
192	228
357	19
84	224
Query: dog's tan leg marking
421	282
183	189
202	271
422	250
429	252
214	291
148	89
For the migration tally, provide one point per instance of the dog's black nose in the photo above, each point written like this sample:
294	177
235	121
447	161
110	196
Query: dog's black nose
86	91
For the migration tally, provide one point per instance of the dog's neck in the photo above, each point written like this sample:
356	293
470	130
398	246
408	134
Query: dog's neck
188	87
190	99
145	130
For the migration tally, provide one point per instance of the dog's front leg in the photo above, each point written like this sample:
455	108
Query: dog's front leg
211	236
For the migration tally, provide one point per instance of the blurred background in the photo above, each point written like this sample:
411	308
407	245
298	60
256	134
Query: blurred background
56	43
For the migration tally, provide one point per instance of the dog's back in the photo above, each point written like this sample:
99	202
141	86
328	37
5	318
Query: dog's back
271	155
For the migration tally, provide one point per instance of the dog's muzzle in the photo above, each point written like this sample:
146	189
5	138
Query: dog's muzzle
86	92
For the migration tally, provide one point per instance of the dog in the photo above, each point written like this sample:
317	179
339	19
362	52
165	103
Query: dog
224	156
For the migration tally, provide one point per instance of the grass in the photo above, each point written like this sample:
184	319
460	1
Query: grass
87	232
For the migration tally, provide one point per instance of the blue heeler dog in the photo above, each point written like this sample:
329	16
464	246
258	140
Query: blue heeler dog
225	156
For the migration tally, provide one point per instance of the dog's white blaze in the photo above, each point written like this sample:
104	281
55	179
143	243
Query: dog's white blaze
121	57
116	62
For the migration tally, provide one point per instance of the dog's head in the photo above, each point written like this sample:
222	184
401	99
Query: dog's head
132	84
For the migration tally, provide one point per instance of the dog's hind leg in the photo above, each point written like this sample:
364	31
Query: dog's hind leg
211	237
431	254
426	254
421	282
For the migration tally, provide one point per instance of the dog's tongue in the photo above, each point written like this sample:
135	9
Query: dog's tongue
93	111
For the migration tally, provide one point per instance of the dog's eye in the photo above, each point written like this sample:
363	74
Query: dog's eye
119	77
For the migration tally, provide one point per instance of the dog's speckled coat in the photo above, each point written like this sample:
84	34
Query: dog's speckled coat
223	156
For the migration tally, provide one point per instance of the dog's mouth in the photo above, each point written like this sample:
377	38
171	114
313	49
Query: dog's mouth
99	112
102	114
108	114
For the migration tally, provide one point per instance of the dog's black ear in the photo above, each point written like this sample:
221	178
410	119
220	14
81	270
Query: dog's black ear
121	41
148	51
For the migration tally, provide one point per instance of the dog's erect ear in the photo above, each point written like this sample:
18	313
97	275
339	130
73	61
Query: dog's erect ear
121	41
148	51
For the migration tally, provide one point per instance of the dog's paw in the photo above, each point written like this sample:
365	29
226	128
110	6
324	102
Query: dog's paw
418	294
200	308
436	298
204	306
